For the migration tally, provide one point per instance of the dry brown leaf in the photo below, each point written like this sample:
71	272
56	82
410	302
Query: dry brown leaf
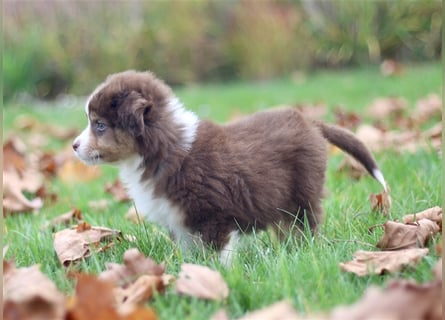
117	190
142	289
371	262
138	313
403	236
381	202
371	136
29	294
347	119
14	200
221	314
383	108
77	242
93	299
402	299
433	214
427	108
201	282
135	265
13	155
282	310
74	171
28	123
74	215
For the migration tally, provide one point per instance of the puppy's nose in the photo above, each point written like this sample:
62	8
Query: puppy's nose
76	145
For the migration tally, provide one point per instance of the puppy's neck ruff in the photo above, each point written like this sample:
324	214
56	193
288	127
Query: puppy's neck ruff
186	120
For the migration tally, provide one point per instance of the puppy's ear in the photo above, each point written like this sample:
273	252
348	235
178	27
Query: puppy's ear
138	114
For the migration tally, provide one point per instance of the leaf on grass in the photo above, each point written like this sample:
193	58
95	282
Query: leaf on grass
142	289
77	242
29	294
401	299
313	111
117	190
382	108
135	265
201	282
371	262
13	155
390	67
74	171
14	200
74	215
276	311
381	202
403	236
93	299
433	214
346	119
136	279
427	108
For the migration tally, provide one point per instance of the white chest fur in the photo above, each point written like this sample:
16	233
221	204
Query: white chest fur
155	209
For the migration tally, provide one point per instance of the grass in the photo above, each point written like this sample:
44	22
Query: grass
264	270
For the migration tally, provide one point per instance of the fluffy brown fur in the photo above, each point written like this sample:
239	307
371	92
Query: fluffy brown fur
267	169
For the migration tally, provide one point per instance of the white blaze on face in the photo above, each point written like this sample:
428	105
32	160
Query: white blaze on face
82	144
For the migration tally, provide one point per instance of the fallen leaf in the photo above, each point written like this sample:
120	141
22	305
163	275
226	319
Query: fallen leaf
77	242
201	282
427	108
381	202
401	299
118	191
74	215
383	108
380	262
346	119
277	311
433	214
13	155
135	265
29	294
14	201
403	236
93	299
74	171
142	289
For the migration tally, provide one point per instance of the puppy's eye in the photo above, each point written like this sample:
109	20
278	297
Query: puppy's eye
100	127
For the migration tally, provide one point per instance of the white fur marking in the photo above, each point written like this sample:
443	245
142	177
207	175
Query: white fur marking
379	177
186	119
226	254
158	210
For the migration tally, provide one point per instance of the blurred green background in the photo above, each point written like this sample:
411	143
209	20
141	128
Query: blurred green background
67	47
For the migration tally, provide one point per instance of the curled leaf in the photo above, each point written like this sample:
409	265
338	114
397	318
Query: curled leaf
201	282
381	202
371	262
403	236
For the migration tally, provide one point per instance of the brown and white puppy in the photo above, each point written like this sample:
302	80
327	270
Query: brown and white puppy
204	181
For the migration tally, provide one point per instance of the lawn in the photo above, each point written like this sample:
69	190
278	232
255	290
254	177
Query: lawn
264	270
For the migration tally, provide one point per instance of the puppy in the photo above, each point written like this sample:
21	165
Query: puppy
207	182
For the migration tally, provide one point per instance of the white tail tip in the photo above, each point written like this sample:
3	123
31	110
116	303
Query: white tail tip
378	175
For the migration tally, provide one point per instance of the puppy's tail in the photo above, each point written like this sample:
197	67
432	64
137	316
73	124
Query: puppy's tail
345	140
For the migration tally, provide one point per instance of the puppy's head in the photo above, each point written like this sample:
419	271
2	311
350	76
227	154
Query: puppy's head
128	114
